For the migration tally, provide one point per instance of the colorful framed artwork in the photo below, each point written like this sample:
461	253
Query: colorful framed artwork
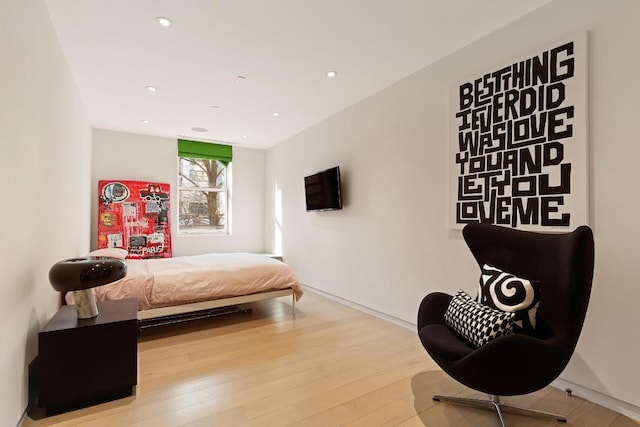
134	215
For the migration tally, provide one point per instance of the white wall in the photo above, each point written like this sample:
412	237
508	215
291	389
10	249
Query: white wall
126	156
390	245
45	138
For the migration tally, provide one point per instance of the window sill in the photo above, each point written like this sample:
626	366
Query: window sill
202	233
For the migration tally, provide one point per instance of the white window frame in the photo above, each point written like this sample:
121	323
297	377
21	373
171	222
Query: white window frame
225	188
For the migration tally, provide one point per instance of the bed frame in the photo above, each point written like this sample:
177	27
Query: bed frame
204	309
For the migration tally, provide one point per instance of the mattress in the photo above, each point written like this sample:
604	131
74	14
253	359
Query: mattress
180	280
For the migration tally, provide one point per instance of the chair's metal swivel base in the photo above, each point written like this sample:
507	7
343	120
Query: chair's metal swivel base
493	404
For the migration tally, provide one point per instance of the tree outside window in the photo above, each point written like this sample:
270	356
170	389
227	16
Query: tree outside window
203	196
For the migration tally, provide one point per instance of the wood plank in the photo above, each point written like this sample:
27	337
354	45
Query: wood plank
330	365
624	421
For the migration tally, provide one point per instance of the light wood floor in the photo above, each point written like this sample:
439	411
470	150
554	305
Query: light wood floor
329	366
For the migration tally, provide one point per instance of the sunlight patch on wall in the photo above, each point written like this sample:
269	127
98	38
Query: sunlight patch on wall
277	220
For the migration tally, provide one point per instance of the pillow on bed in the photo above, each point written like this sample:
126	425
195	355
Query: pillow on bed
507	292
110	252
476	323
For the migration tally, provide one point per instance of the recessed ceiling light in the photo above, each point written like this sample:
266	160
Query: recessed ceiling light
152	88
199	130
244	136
276	114
165	22
331	73
145	121
216	107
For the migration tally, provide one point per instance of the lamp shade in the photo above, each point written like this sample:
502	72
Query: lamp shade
75	274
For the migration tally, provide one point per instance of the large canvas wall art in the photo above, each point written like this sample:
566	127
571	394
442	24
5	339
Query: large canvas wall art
518	142
134	215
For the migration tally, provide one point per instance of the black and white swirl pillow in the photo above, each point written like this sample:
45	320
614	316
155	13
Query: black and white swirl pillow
507	292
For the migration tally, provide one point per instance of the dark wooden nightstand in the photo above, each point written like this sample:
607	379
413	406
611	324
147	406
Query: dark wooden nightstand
86	361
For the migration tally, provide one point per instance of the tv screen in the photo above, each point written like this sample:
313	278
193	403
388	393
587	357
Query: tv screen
322	190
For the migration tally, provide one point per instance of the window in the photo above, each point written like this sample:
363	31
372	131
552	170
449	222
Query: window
203	188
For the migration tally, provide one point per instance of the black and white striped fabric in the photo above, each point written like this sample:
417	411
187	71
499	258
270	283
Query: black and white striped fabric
504	291
475	322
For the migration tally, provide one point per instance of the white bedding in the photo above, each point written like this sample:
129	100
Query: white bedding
179	280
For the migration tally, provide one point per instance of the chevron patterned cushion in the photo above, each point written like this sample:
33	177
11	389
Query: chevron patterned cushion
476	323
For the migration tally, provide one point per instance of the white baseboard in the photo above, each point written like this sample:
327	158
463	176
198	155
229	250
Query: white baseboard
391	319
596	397
599	398
22	418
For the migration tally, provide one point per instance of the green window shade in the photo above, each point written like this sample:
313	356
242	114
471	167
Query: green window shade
205	150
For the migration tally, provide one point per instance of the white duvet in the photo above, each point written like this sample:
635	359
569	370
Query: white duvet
173	281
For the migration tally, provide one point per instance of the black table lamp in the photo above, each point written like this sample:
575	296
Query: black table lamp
81	275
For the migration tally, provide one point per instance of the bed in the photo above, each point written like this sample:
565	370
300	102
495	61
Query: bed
169	290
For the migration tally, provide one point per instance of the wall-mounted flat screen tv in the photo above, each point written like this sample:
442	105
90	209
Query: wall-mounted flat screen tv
322	190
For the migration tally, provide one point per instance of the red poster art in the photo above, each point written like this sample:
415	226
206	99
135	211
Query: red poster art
134	215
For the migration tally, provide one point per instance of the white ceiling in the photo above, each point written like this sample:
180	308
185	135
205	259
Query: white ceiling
283	48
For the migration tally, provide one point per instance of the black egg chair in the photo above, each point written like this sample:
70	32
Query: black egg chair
517	363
